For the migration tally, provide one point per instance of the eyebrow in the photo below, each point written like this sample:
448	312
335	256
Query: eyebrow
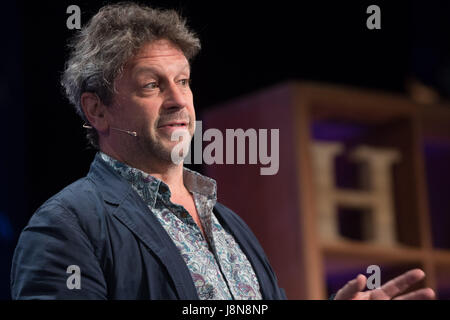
146	69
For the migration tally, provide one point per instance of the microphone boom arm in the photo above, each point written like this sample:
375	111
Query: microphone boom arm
131	133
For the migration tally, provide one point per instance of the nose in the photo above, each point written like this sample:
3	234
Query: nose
175	97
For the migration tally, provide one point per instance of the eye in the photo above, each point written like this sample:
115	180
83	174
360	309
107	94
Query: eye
185	82
151	85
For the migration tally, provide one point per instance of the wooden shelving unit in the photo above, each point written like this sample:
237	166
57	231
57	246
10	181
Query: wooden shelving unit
282	209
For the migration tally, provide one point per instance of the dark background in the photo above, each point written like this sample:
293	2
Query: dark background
245	47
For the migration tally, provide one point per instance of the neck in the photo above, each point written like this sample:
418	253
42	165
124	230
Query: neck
173	177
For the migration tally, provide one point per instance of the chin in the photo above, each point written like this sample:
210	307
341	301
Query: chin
164	151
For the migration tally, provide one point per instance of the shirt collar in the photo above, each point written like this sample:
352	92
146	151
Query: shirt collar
148	186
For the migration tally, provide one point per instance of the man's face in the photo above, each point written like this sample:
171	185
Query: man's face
153	98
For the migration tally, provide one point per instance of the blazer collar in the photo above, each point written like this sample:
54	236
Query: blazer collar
111	185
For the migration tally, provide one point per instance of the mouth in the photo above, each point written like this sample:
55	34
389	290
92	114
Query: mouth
169	128
174	124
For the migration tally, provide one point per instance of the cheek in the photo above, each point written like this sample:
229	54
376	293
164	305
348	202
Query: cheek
191	108
145	115
192	116
147	123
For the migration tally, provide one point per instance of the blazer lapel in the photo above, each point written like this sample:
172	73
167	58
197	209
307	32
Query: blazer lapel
248	245
128	207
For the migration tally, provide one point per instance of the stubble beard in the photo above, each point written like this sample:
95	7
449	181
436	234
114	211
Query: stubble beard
160	146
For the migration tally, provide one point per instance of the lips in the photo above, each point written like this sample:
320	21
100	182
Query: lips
174	124
168	128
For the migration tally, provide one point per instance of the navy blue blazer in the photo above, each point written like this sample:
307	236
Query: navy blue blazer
100	224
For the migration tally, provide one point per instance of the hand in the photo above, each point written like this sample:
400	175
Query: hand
390	290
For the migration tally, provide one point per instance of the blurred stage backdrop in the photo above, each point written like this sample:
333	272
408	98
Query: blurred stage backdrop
363	119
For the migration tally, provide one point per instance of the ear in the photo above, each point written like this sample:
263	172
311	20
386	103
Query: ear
94	111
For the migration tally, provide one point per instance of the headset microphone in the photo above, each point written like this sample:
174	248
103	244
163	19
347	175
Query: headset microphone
131	133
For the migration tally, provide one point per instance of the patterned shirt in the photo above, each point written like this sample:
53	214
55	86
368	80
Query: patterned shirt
219	268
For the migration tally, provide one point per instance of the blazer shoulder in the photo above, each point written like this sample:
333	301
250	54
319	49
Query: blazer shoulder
77	205
54	239
80	191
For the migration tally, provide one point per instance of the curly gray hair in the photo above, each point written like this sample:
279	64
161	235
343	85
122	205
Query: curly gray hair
100	50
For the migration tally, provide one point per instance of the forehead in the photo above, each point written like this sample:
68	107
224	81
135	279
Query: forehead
161	54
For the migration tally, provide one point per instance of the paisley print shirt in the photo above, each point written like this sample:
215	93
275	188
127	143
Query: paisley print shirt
219	268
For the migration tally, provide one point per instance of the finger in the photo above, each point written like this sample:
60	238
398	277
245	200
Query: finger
402	282
378	294
352	288
422	294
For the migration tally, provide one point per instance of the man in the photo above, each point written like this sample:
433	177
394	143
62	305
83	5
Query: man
140	225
